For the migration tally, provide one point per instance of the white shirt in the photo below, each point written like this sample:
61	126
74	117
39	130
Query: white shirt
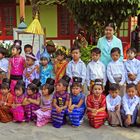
4	64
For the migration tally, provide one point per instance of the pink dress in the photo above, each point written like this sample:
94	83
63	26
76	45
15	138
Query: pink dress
18	112
44	117
17	66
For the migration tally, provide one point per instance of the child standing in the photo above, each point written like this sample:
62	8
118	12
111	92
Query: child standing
46	69
3	64
60	64
129	109
60	102
95	68
96	105
6	100
17	107
31	102
16	65
44	113
113	101
76	67
132	66
76	108
116	70
30	72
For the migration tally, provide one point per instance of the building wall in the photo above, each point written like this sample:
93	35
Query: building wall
48	18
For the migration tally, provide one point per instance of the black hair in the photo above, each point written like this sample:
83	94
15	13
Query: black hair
3	51
28	46
76	84
63	82
18	48
98	82
132	49
114	87
75	48
60	52
110	24
116	49
130	86
81	32
96	50
33	87
49	87
5	85
19	86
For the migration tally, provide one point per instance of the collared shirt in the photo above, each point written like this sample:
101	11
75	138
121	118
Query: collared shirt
96	70
112	102
76	69
129	104
4	64
105	46
116	70
133	67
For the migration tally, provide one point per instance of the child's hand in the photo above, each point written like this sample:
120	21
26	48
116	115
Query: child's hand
59	110
29	100
71	108
13	105
116	107
131	76
1	103
128	120
44	109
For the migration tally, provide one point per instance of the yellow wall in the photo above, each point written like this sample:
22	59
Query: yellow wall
48	18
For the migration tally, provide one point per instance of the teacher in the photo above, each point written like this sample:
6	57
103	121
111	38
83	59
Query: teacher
107	42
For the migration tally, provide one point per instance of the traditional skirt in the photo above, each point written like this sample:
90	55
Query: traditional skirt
76	116
58	119
98	120
43	117
133	117
114	118
30	112
18	113
5	114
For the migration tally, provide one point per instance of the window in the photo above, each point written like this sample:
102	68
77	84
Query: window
7	20
67	29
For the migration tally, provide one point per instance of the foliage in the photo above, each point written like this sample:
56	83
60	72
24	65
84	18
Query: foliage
86	53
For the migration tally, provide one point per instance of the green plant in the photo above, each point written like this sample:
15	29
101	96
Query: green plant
86	53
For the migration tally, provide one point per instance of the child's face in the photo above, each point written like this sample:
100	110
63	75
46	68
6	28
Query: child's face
29	91
76	55
29	61
60	57
15	51
18	92
115	56
131	92
114	93
1	56
109	31
60	87
76	90
95	56
5	91
97	90
28	50
44	62
131	55
44	91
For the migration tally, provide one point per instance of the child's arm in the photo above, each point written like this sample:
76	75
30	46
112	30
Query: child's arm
25	102
83	74
109	107
55	104
125	106
9	70
88	75
66	103
103	105
134	105
10	101
35	101
70	103
88	103
123	75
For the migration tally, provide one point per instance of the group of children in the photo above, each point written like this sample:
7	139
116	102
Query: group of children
44	91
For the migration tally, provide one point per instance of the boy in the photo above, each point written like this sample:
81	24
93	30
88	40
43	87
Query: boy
3	64
95	68
116	70
132	66
113	101
76	67
129	109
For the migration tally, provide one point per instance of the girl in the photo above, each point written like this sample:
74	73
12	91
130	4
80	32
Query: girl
113	101
130	102
32	101
60	102
6	100
46	69
17	107
76	108
96	105
44	113
60	63
31	71
16	65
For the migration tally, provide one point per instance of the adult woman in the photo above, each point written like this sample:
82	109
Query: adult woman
107	42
